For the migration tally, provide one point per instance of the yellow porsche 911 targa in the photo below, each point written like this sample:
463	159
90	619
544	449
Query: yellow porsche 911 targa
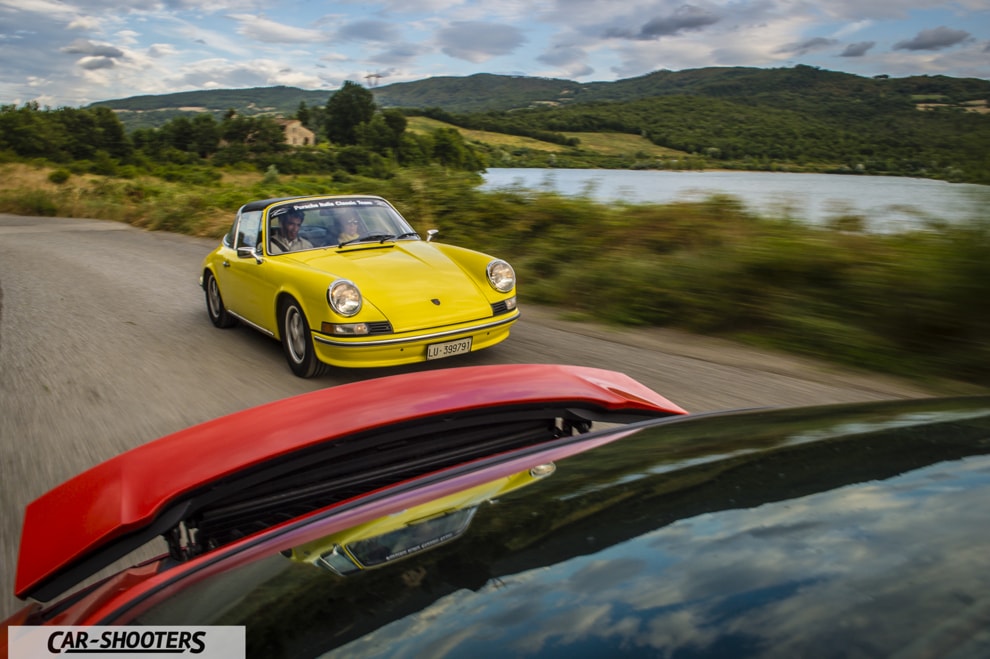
346	281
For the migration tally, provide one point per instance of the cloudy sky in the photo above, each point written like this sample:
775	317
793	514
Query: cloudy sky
74	52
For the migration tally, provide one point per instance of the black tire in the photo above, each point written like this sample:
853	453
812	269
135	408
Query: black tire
214	303
297	342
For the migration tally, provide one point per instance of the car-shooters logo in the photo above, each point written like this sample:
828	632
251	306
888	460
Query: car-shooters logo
125	642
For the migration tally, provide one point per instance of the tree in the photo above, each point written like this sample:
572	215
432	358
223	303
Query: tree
383	132
415	149
259	134
205	135
178	134
450	150
114	137
303	114
267	136
376	135
347	109
397	122
87	131
354	159
30	133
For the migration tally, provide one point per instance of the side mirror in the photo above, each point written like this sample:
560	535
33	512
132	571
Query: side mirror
248	252
431	233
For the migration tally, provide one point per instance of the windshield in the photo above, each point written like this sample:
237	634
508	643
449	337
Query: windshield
413	538
317	223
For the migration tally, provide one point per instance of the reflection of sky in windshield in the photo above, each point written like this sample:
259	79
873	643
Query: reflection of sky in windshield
844	429
900	421
831	574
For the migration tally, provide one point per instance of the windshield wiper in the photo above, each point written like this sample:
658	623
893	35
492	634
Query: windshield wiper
380	237
407	234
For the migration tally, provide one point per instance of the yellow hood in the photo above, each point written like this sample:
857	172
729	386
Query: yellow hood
414	284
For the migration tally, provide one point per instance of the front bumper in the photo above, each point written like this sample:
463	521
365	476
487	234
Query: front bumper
395	349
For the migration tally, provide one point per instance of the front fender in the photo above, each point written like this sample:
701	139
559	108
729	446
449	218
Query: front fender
474	265
310	291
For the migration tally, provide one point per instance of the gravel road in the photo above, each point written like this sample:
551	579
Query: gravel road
105	344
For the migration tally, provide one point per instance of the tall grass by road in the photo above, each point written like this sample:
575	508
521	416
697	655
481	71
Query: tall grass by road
914	304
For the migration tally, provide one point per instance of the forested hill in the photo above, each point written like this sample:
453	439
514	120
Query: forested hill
792	88
801	118
484	92
153	111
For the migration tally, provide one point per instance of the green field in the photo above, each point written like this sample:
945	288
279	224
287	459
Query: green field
605	144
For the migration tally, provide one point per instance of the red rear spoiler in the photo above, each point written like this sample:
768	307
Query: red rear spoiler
89	513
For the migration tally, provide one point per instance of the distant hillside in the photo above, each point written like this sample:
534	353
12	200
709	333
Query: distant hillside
152	111
793	88
479	93
476	93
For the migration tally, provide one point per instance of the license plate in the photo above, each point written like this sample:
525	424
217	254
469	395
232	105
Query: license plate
448	349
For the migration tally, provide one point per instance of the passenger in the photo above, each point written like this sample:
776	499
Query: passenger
289	241
347	222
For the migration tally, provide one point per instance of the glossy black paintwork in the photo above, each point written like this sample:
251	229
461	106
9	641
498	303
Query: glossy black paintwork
856	531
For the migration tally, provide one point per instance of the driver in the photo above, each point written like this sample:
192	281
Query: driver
290	219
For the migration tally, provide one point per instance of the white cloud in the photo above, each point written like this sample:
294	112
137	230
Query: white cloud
128	37
47	8
157	50
852	28
84	23
258	28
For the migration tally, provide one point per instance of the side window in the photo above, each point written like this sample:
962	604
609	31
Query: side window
228	239
248	229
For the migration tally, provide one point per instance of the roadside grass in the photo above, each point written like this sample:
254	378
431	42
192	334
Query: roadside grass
911	304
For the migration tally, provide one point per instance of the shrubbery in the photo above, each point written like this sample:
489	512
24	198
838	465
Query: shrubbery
59	176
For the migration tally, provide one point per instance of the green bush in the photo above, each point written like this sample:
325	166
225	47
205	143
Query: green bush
182	214
28	202
188	174
271	175
59	176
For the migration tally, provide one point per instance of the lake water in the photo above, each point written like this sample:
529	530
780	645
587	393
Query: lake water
888	203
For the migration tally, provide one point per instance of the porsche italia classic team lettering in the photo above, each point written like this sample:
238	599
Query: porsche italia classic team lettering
346	281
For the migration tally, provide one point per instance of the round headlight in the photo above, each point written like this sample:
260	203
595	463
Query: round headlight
344	297
501	276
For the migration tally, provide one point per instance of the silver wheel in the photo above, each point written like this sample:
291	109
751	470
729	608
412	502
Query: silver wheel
214	303
297	342
295	334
